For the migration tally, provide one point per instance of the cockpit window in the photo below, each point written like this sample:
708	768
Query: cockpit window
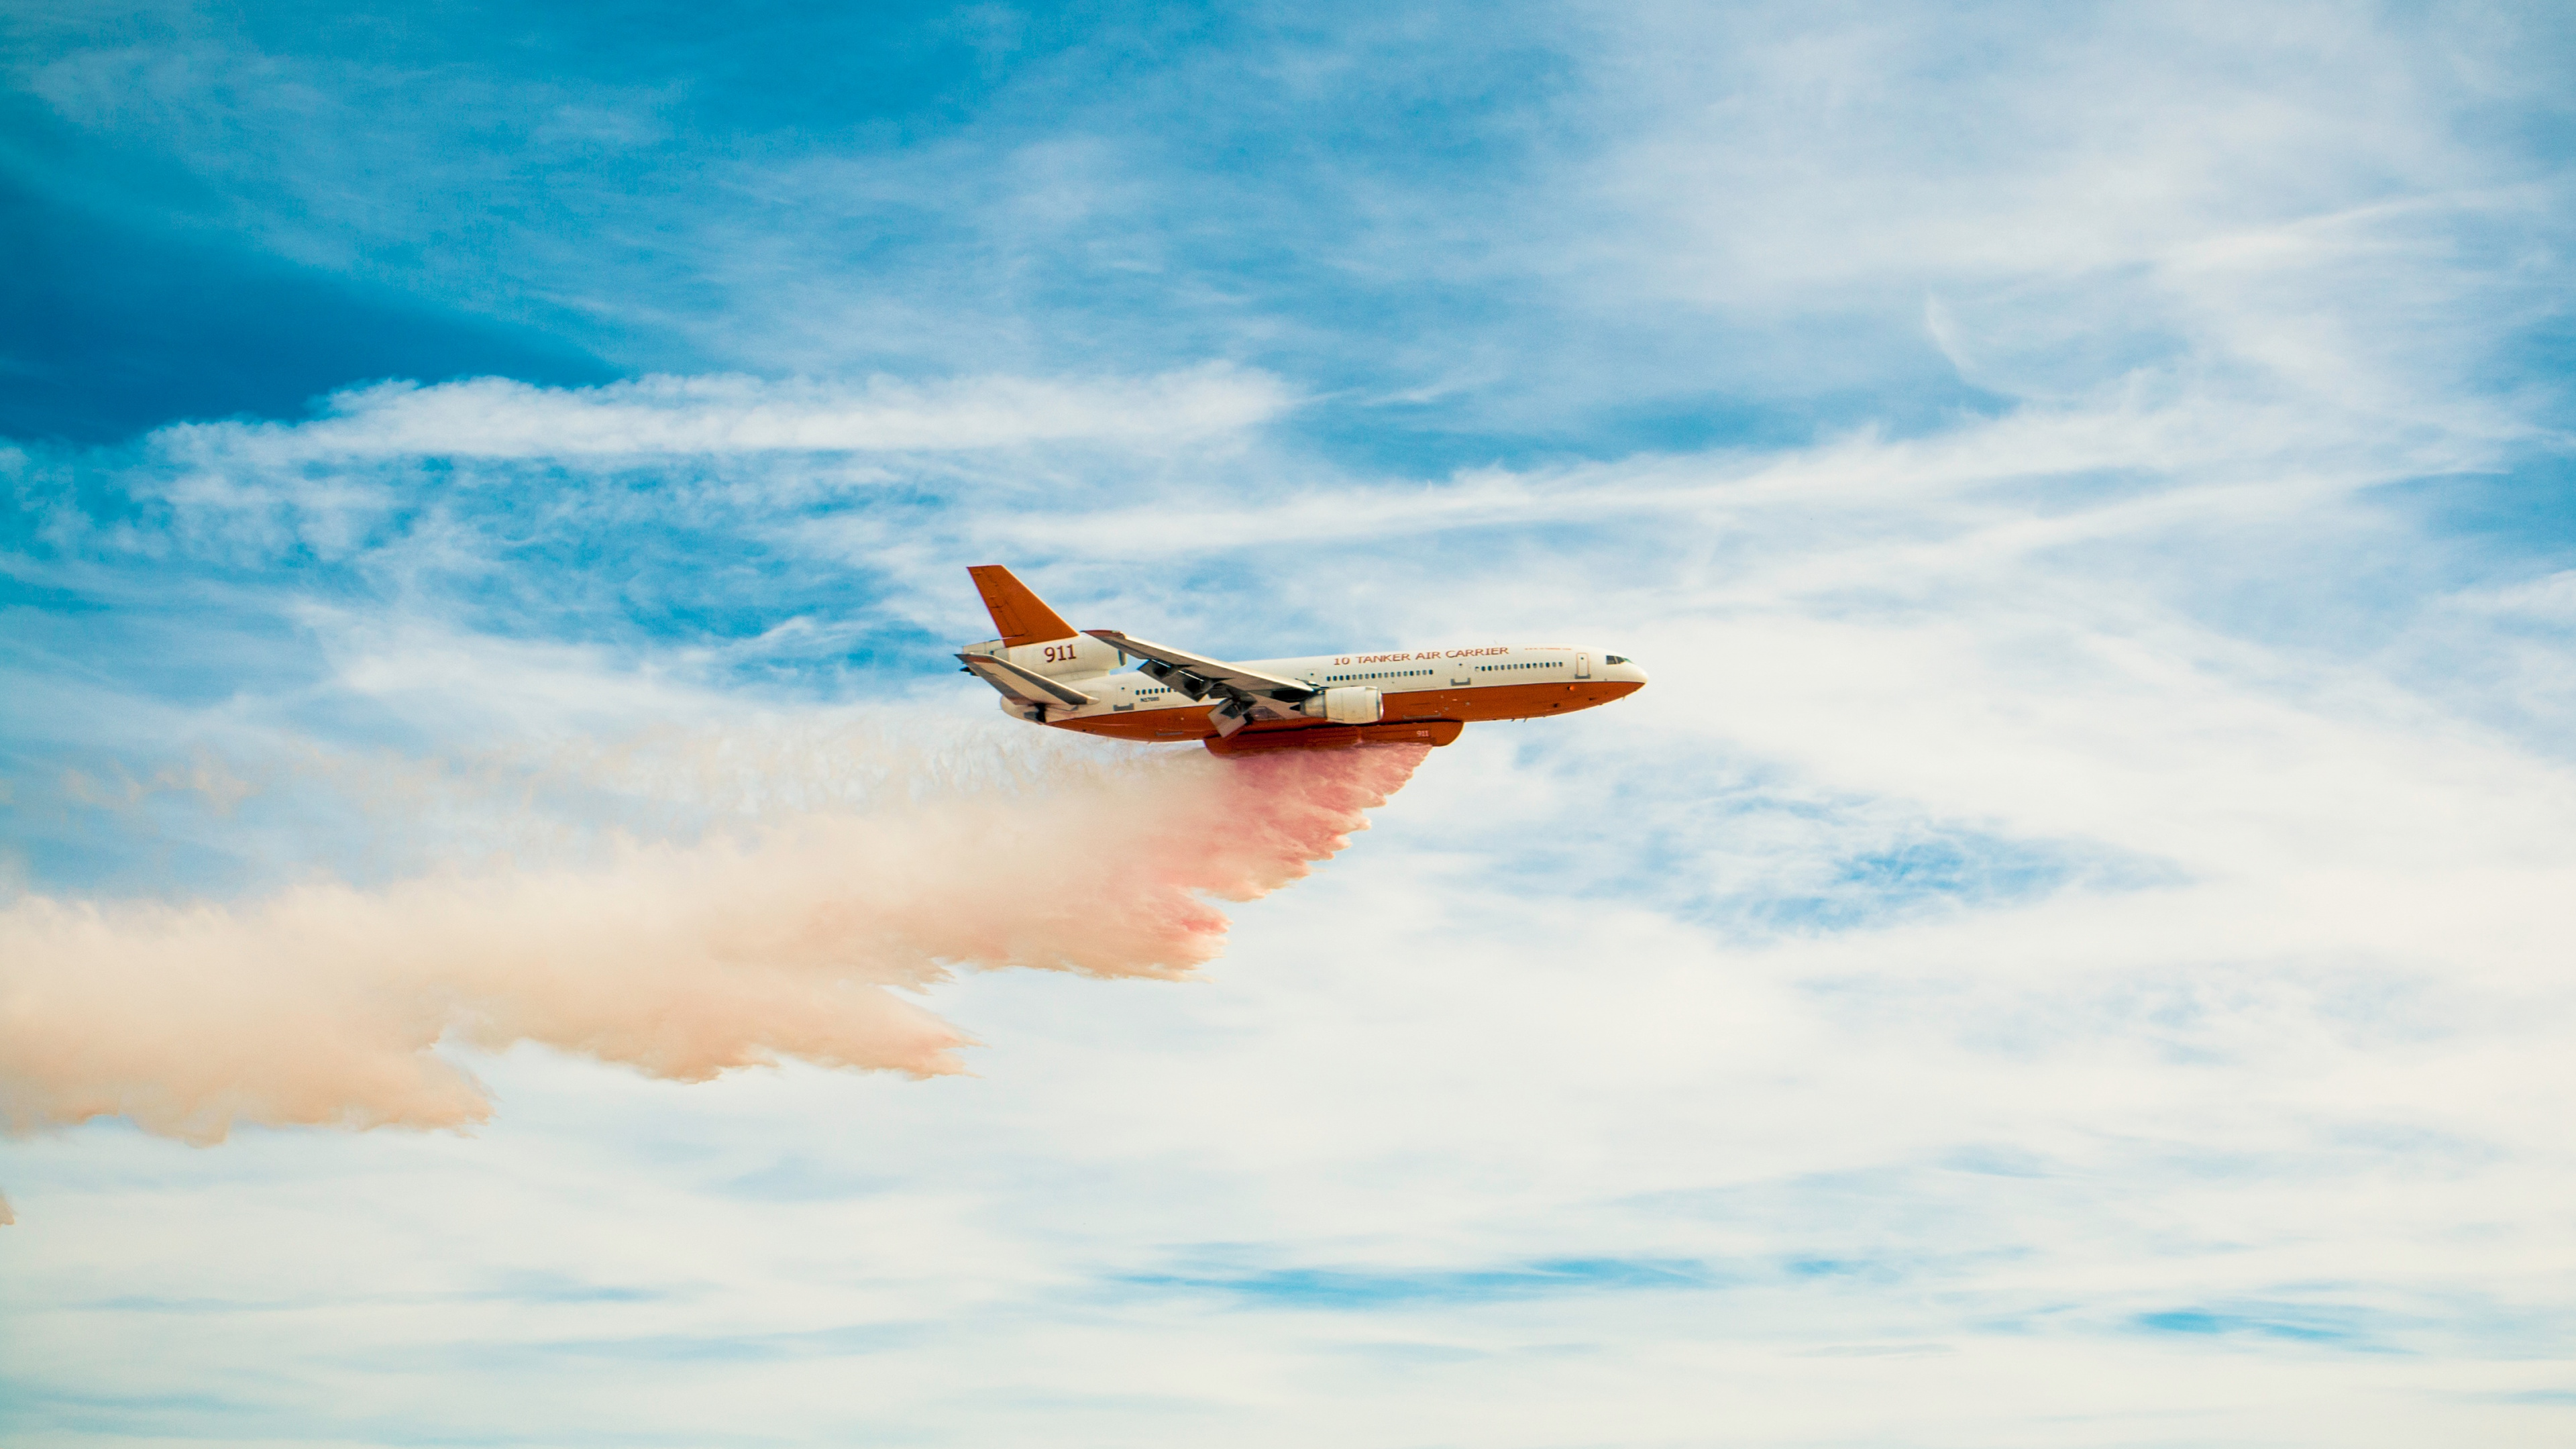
1614	658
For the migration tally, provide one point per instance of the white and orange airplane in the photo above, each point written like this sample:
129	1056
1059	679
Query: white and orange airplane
1102	682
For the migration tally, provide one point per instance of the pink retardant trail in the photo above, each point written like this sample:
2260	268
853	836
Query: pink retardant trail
323	1004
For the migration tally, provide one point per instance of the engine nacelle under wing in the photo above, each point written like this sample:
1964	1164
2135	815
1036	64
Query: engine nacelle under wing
1346	704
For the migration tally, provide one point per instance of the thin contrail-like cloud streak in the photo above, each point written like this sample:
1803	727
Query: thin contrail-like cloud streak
324	1004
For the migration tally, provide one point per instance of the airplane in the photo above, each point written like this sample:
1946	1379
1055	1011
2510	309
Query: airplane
1103	682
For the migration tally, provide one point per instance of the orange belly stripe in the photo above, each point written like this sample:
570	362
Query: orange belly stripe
1462	706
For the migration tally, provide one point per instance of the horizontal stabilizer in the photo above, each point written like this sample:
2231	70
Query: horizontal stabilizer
1026	686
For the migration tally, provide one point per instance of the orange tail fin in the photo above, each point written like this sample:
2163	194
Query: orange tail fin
1022	617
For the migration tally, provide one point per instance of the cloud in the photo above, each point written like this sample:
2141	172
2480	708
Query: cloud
497	418
2122	466
1331	1289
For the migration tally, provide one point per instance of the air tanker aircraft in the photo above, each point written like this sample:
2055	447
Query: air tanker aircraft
1102	682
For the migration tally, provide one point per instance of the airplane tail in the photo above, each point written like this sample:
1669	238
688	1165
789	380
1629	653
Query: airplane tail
1038	653
1021	616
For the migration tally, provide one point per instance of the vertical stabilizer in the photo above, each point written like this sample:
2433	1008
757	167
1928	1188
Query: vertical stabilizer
1022	617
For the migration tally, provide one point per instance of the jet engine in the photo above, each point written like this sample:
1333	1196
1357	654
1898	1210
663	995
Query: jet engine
1350	704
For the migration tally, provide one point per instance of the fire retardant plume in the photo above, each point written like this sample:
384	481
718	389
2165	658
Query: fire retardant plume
323	1004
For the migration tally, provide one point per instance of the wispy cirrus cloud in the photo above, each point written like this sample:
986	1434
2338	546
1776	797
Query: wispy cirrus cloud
729	415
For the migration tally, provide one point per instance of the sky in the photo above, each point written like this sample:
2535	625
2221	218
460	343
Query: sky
2070	948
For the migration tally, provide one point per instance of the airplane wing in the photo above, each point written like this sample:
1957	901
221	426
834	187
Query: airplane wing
1026	686
1203	676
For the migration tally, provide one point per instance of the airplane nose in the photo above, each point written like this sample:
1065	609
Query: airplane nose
1622	668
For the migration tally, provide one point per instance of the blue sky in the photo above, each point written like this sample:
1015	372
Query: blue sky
2070	949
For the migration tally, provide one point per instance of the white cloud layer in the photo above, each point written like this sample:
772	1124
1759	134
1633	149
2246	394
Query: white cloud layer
1998	984
495	417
